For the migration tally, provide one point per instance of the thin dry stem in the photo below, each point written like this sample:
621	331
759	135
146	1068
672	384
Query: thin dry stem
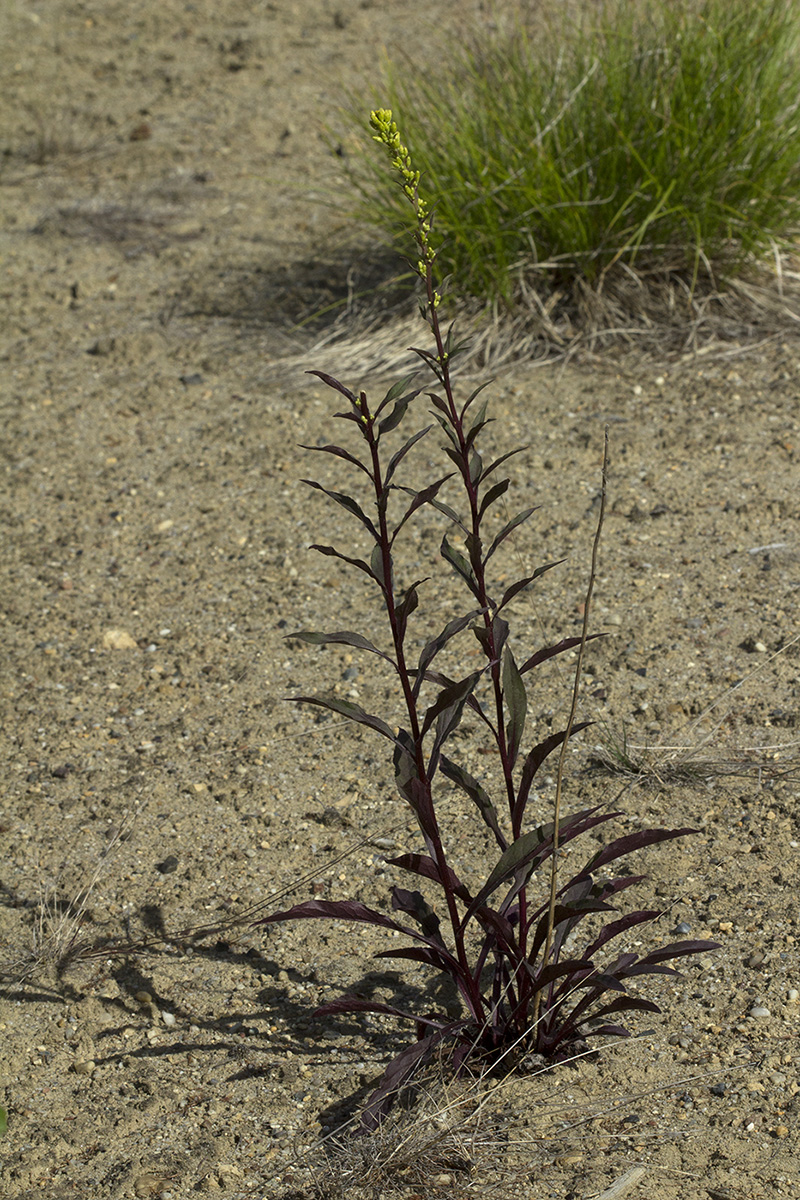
571	720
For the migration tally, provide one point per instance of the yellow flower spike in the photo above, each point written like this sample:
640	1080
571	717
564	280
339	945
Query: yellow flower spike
388	135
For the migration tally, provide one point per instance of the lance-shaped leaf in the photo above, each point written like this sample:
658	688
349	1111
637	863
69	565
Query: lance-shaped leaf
630	842
450	513
398	457
420	954
432	648
478	795
478	420
524	852
416	906
513	524
346	708
565	918
545	975
492	637
424	497
354	910
674	950
533	761
473	703
332	552
450	700
614	928
335	384
533	848
340	453
347	503
411	787
494	493
550	651
516	701
473	397
347	1004
422	864
498	462
408	605
377	563
396	392
460	566
475	467
342	638
397	413
522	584
397	1074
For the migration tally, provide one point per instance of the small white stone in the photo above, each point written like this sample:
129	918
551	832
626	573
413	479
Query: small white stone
760	648
168	1018
793	996
760	1011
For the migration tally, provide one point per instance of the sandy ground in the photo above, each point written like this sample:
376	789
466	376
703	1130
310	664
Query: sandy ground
163	172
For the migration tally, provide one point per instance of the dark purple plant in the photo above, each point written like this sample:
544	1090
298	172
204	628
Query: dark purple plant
520	990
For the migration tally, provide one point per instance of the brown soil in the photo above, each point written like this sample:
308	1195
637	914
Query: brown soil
162	176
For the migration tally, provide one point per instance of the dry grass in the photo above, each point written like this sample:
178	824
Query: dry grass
626	310
58	929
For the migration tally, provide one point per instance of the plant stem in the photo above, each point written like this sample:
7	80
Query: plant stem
573	709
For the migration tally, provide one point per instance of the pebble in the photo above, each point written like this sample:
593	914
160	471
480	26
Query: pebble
118	639
84	1067
683	927
760	1011
793	996
168	1018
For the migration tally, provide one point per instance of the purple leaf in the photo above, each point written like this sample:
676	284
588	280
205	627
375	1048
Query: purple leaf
503	458
338	910
416	906
347	709
460	566
622	925
343	637
449	705
395	392
330	552
438	643
423	865
526	582
398	457
533	761
396	1076
516	701
347	1004
480	798
678	950
335	384
408	605
348	503
633	841
340	453
516	521
420	498
550	651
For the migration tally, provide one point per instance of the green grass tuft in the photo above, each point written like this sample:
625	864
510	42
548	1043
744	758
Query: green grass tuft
640	137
